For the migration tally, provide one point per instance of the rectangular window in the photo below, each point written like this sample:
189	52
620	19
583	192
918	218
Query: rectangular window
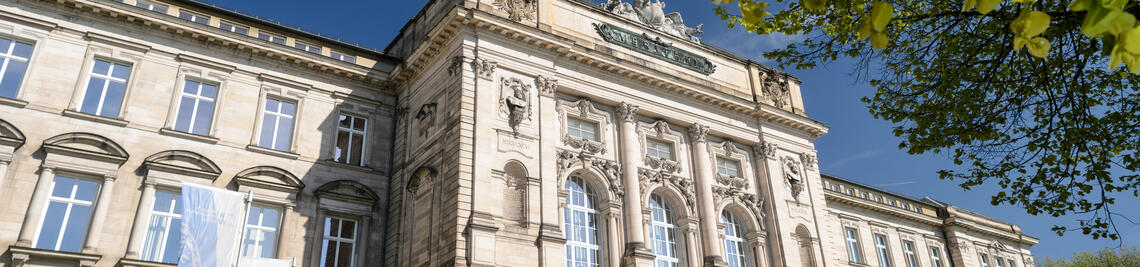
277	124
105	89
342	57
879	199
999	262
196	108
918	209
849	191
271	37
68	214
164	232
911	257
1012	263
936	257
350	140
985	259
659	149
864	195
906	206
339	243
891	202
728	167
191	16
582	129
261	232
854	252
14	56
228	26
307	47
881	248
834	187
152	6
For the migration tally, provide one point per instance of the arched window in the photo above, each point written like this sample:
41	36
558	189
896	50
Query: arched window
663	233
581	225
735	250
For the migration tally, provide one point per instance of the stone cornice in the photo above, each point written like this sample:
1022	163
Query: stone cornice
867	204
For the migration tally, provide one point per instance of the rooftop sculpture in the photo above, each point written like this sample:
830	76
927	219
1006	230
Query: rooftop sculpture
652	13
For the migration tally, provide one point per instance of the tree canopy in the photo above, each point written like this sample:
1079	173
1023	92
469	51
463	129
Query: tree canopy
1102	257
1033	96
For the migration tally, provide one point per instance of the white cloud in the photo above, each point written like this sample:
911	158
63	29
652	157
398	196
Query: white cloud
749	45
853	158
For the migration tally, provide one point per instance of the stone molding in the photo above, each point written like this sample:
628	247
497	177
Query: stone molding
546	85
484	69
518	10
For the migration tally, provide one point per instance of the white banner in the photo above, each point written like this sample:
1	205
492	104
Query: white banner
263	262
211	224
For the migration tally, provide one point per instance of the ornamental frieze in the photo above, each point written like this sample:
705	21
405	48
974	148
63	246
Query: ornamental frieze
723	194
654	47
518	10
586	145
609	168
650	177
664	165
652	14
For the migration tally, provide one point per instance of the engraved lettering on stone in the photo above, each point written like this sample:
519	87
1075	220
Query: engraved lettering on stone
515	194
511	143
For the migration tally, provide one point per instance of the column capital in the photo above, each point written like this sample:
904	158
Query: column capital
626	111
765	149
48	167
110	177
546	85
149	183
698	132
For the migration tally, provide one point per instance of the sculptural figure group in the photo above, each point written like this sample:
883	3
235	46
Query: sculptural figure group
652	13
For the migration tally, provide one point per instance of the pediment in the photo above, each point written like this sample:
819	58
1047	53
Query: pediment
9	135
183	162
348	190
270	177
86	145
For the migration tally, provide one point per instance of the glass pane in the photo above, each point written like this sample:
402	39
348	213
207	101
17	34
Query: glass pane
209	91
340	152
163	201
249	246
268	244
53	221
330	253
272	104
344	121
357	149
288	108
86	190
358	124
268	125
254	216
344	255
332	226
348	230
113	100
62	187
204	118
191	87
4	45
23	50
286	134
185	111
13	76
121	71
101	67
153	242
92	95
76	228
269	218
173	242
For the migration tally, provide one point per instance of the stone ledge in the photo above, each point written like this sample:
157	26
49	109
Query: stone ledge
21	255
141	263
13	102
272	152
195	137
331	163
95	118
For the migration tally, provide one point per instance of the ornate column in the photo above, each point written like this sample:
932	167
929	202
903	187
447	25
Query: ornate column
769	180
691	241
636	254
92	243
138	231
36	207
610	212
710	235
756	239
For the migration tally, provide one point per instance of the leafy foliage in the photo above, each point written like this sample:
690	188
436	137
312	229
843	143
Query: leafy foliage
1103	257
1054	128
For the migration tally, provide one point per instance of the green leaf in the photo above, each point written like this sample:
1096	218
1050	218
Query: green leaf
985	6
722	2
1130	41
881	14
879	40
1039	47
814	5
968	4
1019	42
865	31
1034	23
1081	5
752	12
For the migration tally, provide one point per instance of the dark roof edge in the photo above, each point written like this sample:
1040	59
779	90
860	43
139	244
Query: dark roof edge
925	200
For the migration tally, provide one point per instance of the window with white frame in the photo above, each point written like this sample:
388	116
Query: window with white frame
68	214
581	225
854	251
906	206
663	233
196	107
936	256
342	57
735	251
999	261
985	259
277	124
908	250
891	202
195	17
864	195
350	140
14	56
232	27
881	248
582	129
271	37
164	231
834	187
339	246
879	199
307	47
849	191
728	167
106	85
1012	263
659	149
152	6
260	239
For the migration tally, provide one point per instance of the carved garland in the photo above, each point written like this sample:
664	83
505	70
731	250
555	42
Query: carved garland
611	169
518	10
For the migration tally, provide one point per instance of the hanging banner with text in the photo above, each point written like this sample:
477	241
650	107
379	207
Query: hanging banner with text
211	224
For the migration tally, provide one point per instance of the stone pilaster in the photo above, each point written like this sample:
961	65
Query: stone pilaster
704	170
138	231
636	254
104	201
36	207
3	170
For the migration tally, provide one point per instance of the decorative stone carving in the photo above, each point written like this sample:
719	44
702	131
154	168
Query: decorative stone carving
660	127
484	69
422	176
765	149
655	47
652	14
426	118
626	112
587	146
611	169
664	165
565	160
732	181
456	66
515	101
809	159
698	132
649	177
776	88
729	148
723	194
792	175
546	85
518	10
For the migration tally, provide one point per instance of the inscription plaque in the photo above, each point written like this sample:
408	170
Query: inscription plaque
654	47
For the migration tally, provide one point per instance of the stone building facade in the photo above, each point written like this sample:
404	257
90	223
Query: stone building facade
488	133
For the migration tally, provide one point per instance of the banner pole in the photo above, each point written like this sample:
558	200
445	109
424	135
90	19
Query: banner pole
244	221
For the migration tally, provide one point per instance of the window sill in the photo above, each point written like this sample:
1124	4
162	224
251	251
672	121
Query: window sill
142	263
21	256
331	163
272	152
13	102
195	137
95	118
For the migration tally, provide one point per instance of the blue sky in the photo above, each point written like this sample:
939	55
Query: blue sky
858	146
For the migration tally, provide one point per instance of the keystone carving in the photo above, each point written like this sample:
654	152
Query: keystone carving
484	69
728	194
546	85
662	164
518	10
515	102
660	127
650	177
611	169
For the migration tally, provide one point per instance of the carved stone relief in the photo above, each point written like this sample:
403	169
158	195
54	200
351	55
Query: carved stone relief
546	85
652	14
626	112
587	146
456	66
792	175
425	118
651	177
808	159
484	69
584	109
611	169
698	132
518	10
765	149
515	101
776	88
422	176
